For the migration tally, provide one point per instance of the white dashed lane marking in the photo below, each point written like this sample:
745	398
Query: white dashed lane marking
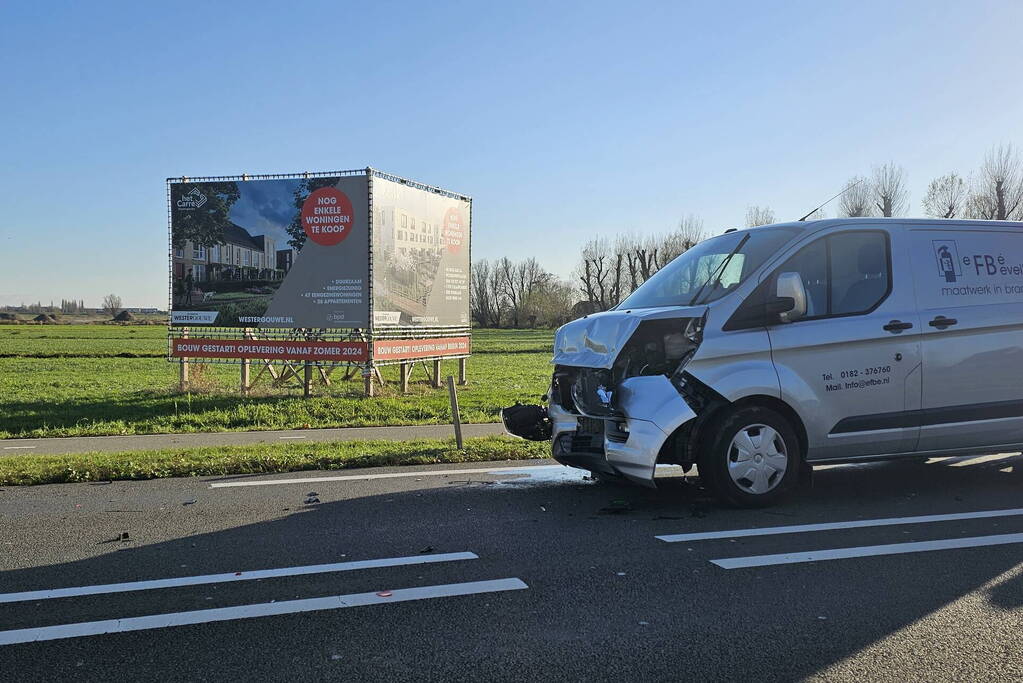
866	551
831	526
93	628
234	576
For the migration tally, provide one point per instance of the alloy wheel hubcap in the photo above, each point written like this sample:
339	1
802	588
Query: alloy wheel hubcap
757	459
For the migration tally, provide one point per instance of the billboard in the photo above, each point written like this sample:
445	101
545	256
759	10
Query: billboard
420	256
350	267
278	253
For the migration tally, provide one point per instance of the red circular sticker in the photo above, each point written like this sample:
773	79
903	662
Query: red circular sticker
327	216
453	231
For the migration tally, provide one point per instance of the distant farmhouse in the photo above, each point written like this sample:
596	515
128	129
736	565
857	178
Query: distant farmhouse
242	256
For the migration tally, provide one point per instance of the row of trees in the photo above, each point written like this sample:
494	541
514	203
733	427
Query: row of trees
521	294
992	192
610	270
72	306
508	293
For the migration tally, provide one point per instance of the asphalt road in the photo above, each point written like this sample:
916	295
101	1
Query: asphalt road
581	587
86	444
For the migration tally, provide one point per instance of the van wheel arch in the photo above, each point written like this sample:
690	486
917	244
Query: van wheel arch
685	444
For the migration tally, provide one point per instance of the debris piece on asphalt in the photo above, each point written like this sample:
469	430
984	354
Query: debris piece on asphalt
616	507
335	657
385	594
427	549
644	623
311	501
124	538
193	501
621	573
543	509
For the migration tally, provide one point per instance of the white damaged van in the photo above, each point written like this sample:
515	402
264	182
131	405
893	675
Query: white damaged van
761	352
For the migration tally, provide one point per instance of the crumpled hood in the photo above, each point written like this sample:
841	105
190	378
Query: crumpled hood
596	340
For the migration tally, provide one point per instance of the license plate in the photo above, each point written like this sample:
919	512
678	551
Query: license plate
590	425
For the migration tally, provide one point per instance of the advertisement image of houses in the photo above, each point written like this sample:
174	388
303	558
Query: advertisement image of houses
241	256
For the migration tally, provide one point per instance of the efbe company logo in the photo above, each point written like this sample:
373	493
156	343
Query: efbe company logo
947	254
192	200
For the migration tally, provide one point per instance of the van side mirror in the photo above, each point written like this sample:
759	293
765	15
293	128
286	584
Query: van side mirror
790	301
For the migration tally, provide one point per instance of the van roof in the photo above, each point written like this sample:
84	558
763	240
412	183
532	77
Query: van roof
950	222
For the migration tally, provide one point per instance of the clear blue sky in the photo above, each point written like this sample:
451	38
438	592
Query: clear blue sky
562	120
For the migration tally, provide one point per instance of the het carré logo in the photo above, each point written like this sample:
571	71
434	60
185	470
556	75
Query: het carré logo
193	200
947	254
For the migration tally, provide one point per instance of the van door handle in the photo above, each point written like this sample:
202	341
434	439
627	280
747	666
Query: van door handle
941	322
897	326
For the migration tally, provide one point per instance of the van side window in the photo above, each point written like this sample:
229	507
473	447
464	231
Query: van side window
859	271
811	263
843	274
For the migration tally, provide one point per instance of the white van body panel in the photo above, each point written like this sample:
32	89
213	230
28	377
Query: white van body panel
973	368
838	370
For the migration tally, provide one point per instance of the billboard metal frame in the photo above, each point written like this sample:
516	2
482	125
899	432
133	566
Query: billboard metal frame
368	335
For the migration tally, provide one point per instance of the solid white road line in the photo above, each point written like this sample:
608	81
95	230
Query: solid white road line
830	526
290	437
18	448
234	576
93	628
359	477
866	551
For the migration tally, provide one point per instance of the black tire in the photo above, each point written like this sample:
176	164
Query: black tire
718	453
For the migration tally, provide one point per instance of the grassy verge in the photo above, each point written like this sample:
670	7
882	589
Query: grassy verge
28	470
98	383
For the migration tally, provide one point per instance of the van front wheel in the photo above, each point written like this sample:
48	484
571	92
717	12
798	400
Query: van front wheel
752	459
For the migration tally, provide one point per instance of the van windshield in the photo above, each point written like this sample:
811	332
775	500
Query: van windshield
677	283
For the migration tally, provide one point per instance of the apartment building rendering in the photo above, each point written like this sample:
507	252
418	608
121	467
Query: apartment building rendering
241	256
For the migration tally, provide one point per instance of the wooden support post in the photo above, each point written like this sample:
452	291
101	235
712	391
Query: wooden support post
436	374
245	376
247	334
183	374
462	381
307	381
367	378
456	419
403	373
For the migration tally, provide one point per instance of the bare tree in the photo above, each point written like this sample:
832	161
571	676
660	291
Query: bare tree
856	199
998	190
520	282
946	196
482	299
758	215
594	273
554	303
889	187
688	234
112	304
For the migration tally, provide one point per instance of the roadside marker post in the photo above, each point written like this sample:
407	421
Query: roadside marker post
455	417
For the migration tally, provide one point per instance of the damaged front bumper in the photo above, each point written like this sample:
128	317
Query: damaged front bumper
648	410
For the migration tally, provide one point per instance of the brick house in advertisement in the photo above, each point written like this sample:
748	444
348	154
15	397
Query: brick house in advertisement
241	256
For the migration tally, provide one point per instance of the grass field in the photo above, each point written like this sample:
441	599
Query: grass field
74	380
30	470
